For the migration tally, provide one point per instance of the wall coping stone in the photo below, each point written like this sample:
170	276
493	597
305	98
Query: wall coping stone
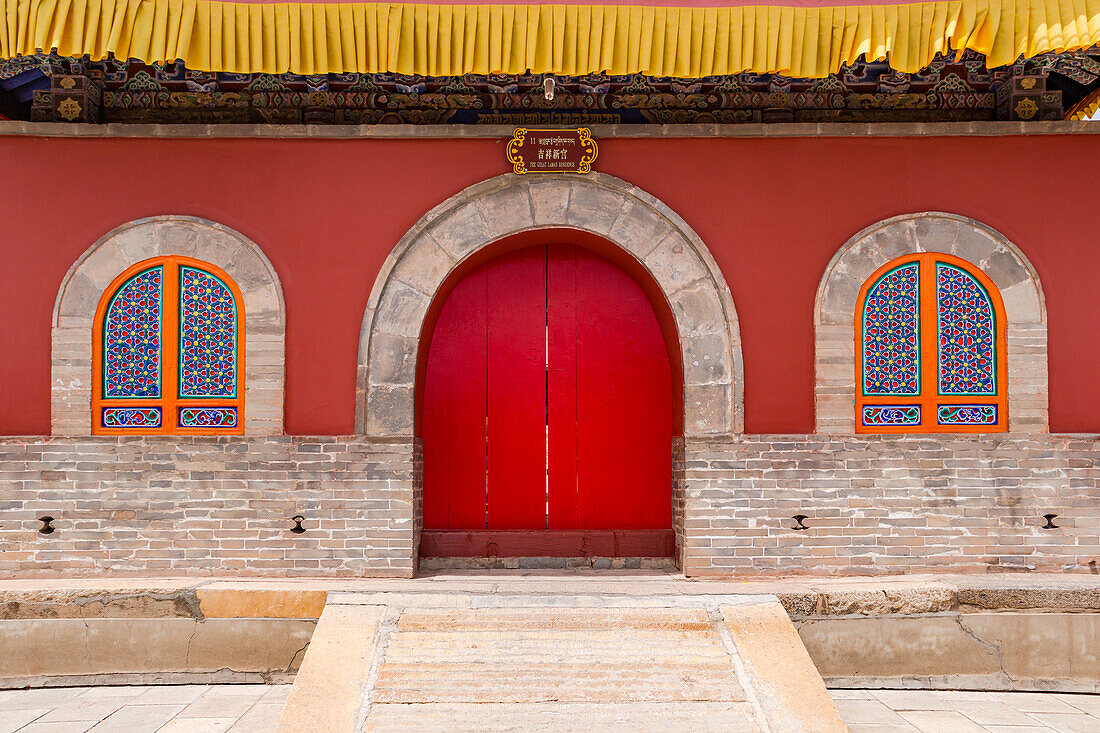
803	596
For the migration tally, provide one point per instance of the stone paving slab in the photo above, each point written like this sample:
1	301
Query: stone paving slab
516	597
143	709
936	711
865	711
680	717
555	668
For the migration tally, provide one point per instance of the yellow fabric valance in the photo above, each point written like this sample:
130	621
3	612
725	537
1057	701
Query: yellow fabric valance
443	39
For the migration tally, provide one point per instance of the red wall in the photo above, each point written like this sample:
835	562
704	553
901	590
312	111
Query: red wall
327	212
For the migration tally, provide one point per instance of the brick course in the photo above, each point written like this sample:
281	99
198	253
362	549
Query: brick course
875	505
209	505
891	504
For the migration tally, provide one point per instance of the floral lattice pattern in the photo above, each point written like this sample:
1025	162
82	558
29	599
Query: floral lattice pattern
891	352
208	417
967	337
208	336
168	351
131	417
930	357
967	414
132	338
880	415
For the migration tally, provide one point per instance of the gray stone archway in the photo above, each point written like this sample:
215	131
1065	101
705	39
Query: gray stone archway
623	214
157	236
970	240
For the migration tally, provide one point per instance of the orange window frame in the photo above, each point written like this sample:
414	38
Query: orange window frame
928	396
169	401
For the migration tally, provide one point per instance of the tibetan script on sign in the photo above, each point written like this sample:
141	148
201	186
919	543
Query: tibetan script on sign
552	151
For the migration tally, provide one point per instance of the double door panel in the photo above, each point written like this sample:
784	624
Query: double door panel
547	399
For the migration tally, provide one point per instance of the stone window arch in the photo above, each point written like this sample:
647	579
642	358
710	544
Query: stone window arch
143	246
995	264
487	212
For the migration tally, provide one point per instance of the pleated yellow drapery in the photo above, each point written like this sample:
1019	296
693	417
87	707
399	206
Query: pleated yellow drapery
436	40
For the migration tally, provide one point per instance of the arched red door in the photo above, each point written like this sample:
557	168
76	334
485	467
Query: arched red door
547	412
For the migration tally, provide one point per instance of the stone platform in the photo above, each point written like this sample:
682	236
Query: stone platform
551	655
989	632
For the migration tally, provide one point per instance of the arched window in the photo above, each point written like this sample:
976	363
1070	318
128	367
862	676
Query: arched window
930	349
168	351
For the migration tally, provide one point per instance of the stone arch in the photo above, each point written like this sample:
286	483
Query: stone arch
486	212
978	244
142	239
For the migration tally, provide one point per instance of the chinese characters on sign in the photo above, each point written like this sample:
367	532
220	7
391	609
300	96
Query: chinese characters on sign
552	151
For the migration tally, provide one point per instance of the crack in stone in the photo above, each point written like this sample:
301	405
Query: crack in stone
191	638
997	651
87	642
301	651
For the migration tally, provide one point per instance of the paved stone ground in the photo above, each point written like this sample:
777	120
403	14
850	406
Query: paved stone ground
137	709
924	711
255	709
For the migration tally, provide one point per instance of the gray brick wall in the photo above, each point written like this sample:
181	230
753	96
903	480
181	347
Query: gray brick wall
875	505
883	504
208	505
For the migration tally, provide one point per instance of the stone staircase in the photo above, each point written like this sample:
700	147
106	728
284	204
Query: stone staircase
556	661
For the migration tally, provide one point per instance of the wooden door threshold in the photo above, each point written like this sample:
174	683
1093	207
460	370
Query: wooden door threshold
548	543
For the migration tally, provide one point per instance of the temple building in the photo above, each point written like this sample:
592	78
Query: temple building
329	292
813	295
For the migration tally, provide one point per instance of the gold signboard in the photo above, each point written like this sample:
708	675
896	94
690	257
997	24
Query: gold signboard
552	151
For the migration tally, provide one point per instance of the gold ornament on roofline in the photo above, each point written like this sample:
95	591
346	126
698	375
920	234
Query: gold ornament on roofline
69	109
1026	108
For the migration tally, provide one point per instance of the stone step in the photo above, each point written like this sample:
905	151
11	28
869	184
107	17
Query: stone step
676	717
560	655
665	620
585	663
